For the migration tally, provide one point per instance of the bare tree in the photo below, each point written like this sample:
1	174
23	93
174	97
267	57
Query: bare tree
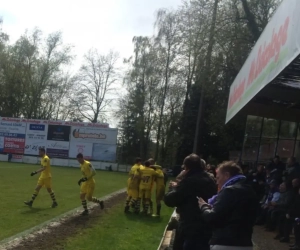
167	43
94	84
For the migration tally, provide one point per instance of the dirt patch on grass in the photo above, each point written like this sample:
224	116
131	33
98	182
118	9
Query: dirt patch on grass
52	236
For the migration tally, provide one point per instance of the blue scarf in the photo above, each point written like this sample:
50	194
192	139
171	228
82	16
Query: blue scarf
228	183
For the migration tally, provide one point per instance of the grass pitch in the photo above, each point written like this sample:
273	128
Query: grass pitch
117	230
17	185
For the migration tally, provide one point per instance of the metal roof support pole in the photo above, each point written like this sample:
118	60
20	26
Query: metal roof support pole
259	141
296	136
278	134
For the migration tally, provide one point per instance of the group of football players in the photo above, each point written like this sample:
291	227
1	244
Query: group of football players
143	179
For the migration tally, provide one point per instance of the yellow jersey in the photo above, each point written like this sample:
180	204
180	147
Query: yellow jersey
45	162
147	176
87	170
133	183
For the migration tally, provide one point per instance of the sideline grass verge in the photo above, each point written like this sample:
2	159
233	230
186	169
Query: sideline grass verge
117	230
16	185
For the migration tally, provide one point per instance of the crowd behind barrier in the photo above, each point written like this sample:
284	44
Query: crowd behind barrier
277	204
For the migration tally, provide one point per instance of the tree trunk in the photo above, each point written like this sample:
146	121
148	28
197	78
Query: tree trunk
252	25
206	75
163	102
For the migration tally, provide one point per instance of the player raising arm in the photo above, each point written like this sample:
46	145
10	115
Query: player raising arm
87	184
146	175
45	179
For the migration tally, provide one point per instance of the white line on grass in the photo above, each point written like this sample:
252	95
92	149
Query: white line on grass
20	236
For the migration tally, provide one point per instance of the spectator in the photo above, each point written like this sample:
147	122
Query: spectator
273	174
294	215
9	157
279	207
245	169
258	180
194	232
277	164
232	212
295	185
285	223
273	196
293	169
181	174
166	177
296	233
212	169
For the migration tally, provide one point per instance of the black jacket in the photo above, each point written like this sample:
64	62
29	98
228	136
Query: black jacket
294	210
293	172
233	215
285	200
184	197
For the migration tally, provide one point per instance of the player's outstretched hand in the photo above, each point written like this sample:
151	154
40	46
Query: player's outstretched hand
33	173
82	180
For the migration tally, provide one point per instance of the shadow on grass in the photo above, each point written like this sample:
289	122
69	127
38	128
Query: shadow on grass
144	218
32	210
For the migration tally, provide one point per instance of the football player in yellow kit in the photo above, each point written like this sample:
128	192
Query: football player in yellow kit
45	179
146	175
87	184
160	188
133	186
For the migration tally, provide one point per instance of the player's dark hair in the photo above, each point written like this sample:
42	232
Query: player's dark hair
147	163
79	156
137	160
42	150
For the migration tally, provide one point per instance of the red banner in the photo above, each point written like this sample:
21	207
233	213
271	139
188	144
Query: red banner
14	145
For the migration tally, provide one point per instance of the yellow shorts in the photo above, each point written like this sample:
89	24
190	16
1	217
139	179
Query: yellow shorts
87	188
45	182
145	193
160	193
133	193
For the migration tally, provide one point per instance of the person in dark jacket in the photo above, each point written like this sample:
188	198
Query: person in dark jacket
258	180
285	223
232	212
293	170
194	231
166	177
267	205
279	207
211	169
272	174
278	164
294	215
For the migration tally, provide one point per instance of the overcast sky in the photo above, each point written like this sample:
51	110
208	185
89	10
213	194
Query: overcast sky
103	24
